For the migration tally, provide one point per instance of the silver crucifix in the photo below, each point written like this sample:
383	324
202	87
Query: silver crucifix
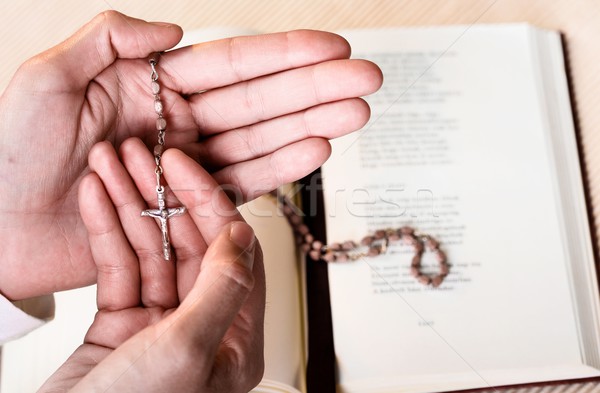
163	214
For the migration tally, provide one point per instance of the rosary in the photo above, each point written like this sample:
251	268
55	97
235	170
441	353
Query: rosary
369	246
162	213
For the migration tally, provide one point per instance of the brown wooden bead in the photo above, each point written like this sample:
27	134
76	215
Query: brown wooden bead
416	261
373	252
342	257
348	245
431	244
409	240
303	229
308	238
295	220
424	280
440	256
317	245
394	237
367	240
444	269
287	210
380	234
334	246
437	281
329	257
314	255
406	231
418	247
415	272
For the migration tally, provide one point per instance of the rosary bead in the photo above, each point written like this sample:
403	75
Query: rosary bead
335	246
287	210
367	240
158	150
409	240
440	256
342	257
405	230
295	220
158	106
314	255
161	124
380	234
416	261
394	237
444	269
155	87
431	244
317	245
373	252
329	257
415	272
309	238
424	280
303	229
348	245
437	281
418	247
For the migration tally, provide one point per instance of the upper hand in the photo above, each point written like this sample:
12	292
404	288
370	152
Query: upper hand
268	105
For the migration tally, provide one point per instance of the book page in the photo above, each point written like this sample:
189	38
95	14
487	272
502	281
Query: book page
456	148
284	343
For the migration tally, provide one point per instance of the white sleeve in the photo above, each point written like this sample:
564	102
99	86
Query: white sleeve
19	318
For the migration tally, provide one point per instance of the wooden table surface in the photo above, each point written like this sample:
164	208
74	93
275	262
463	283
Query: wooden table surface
30	26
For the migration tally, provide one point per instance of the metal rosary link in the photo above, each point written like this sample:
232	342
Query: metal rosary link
162	213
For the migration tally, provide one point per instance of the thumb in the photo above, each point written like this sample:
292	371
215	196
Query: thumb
223	285
110	35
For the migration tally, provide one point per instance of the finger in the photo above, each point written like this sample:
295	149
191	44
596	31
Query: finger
325	121
208	205
157	275
227	301
287	92
193	332
186	239
225	62
262	175
118	273
110	35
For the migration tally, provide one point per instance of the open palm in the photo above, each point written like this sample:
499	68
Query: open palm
256	111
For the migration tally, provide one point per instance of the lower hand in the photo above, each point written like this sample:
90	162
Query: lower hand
193	326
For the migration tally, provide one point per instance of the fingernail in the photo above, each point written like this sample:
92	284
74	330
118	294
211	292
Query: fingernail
243	236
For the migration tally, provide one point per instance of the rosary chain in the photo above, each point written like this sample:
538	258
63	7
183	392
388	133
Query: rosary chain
161	122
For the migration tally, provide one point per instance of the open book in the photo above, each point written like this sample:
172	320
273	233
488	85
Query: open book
472	141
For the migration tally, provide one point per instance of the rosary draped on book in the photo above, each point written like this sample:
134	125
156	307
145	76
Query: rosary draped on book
370	246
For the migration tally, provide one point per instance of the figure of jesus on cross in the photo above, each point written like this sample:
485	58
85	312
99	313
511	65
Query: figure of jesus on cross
163	214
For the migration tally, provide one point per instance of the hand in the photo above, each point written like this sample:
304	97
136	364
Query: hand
268	105
162	327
